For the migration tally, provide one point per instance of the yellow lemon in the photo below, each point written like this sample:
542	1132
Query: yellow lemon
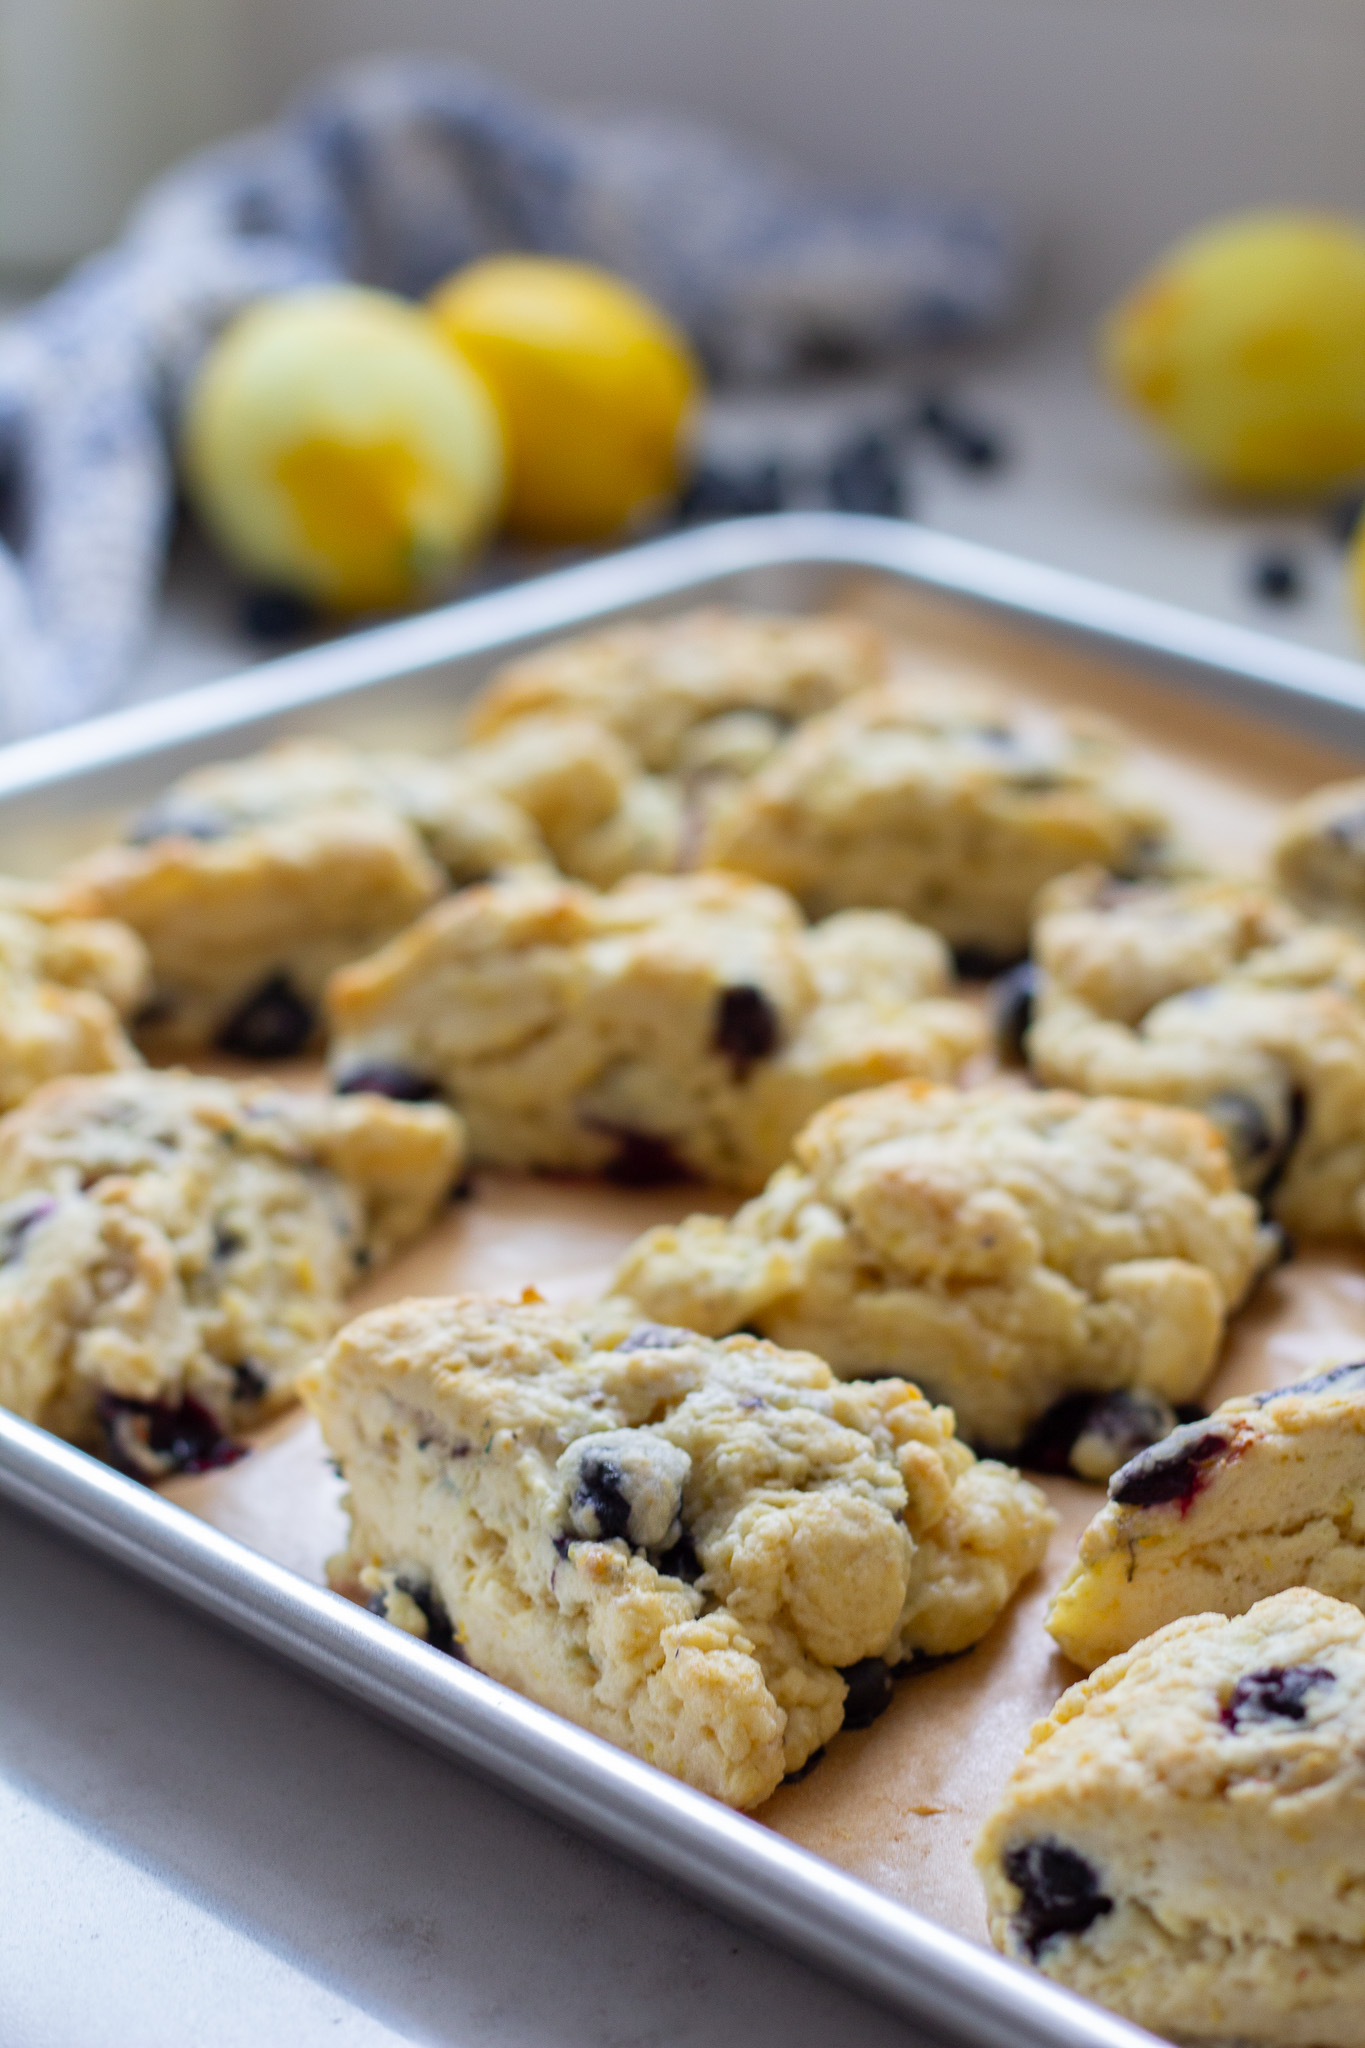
335	446
594	387
1246	348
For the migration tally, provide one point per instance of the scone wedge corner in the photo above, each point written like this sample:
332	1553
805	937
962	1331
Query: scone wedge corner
174	1248
1008	1250
1184	1838
1267	1493
709	1553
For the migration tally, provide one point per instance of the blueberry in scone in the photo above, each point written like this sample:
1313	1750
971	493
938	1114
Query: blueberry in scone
1184	1838
1265	1493
671	1026
67	987
940	798
173	1249
1220	996
250	882
1006	1249
705	1552
1318	858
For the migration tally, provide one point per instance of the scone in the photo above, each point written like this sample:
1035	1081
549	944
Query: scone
1184	1839
684	711
943	800
252	881
686	691
1269	1492
173	1249
1007	1249
1218	995
710	1554
672	1026
1318	859
67	986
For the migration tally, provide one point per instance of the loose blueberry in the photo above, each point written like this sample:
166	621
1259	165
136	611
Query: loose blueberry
657	1337
964	440
864	475
871	1690
151	1440
1343	516
733	493
1280	1692
274	1023
387	1077
270	614
1277	577
177	818
1061	1892
746	1027
1173	1470
1012	1000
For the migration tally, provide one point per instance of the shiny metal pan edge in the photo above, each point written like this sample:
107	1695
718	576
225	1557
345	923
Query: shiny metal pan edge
434	659
51	786
745	1870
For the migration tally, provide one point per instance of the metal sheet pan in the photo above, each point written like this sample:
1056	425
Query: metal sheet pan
409	678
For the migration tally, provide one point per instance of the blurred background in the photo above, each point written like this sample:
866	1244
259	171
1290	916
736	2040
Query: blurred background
1102	129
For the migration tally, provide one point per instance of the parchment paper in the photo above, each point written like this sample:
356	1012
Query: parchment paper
899	1803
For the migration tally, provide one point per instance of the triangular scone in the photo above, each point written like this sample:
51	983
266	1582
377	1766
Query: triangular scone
1184	1838
174	1248
1006	1249
1269	1492
709	1553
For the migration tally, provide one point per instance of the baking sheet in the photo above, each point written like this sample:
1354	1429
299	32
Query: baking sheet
897	1803
900	1803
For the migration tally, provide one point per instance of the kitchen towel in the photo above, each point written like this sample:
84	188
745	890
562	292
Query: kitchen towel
394	173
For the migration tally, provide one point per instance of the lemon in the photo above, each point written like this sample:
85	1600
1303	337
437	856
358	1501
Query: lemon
594	387
1246	348
335	447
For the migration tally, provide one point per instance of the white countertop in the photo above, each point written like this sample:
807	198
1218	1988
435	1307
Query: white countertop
202	1848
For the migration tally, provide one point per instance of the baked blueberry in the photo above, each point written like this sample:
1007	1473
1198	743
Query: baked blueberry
1278	1693
1012	1000
274	1023
387	1077
152	1439
1061	1892
870	1691
746	1028
1173	1470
